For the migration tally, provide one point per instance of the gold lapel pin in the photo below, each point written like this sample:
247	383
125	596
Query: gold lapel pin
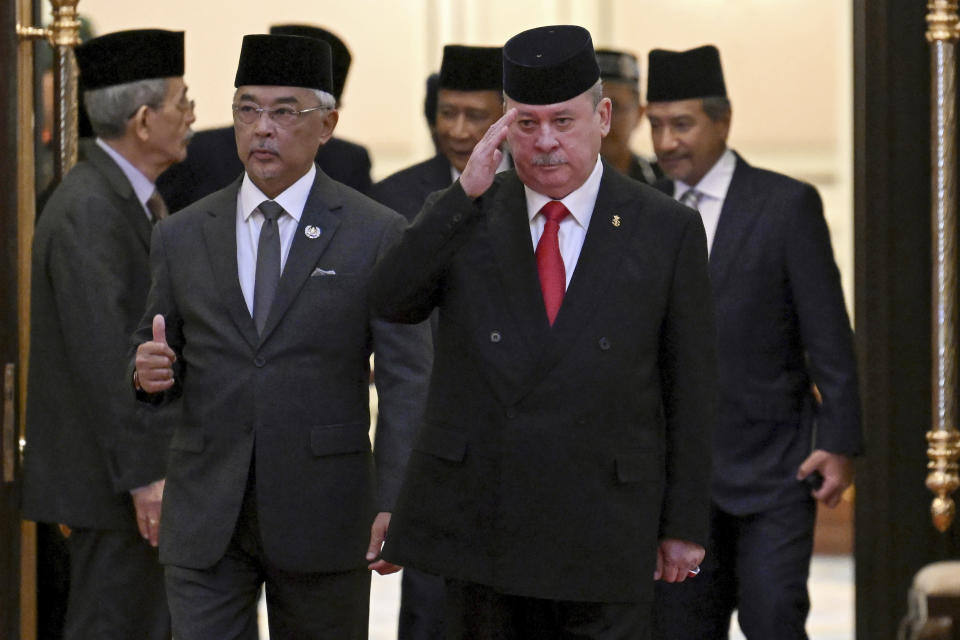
312	232
616	221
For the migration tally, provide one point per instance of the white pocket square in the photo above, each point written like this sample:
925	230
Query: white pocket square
322	272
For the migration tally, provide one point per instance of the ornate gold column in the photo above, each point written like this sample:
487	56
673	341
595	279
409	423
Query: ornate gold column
943	438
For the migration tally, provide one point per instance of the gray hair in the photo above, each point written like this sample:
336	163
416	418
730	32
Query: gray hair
717	108
327	101
110	108
595	91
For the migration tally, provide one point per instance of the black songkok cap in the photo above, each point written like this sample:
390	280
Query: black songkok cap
619	66
284	61
547	65
128	56
682	75
341	55
471	68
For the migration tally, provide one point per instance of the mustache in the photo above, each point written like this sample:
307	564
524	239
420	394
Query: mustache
548	159
264	145
188	135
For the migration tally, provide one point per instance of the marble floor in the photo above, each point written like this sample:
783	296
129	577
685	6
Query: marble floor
831	596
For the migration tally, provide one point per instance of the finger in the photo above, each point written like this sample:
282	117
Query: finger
376	542
143	527
159	329
153	525
658	572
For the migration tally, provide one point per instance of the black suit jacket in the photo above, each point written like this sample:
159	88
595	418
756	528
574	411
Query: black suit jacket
212	163
296	397
87	443
406	190
781	325
551	460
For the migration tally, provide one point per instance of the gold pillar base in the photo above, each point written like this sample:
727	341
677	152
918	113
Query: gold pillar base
943	478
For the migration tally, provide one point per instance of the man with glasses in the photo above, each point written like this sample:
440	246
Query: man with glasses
213	162
95	461
258	318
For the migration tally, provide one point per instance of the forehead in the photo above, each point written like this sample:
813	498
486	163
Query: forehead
468	99
266	94
692	108
579	105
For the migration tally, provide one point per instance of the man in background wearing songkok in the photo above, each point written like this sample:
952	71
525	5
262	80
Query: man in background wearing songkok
468	101
620	73
782	328
94	460
258	317
213	162
563	460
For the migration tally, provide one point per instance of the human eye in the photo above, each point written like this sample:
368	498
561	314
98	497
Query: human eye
246	109
284	112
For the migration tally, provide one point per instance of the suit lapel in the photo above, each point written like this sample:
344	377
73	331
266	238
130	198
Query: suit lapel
306	251
115	177
509	230
738	214
220	237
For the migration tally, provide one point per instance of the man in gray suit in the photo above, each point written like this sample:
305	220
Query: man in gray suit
91	461
259	319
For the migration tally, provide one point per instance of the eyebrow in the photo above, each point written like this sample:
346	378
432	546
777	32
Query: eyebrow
283	99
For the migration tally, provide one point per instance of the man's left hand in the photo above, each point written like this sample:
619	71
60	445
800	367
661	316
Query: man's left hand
378	533
837	472
146	502
677	560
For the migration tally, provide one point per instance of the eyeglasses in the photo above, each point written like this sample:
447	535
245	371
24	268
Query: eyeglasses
185	106
249	112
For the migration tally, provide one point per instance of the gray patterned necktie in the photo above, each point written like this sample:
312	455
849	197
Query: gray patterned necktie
157	207
691	198
268	263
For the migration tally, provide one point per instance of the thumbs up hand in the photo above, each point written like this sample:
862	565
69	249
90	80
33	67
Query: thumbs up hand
154	361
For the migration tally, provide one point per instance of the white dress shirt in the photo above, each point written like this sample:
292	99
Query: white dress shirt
142	187
573	228
713	186
249	221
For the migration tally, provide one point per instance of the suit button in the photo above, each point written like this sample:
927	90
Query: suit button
495	337
604	344
259	361
511	413
457	217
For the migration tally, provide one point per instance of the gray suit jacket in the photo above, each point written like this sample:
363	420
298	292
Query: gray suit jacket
295	398
87	443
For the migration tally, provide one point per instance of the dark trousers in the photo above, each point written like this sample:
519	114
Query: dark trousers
479	612
757	564
221	602
116	588
421	606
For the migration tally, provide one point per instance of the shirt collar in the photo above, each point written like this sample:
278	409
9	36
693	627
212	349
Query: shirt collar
716	181
293	199
579	202
142	186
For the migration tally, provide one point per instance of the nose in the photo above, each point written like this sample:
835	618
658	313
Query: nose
263	126
666	140
459	130
545	139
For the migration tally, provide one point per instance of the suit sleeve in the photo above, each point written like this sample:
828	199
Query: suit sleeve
92	279
688	372
403	357
824	326
407	281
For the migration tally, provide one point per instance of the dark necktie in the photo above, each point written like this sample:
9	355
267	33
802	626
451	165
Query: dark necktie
157	207
268	263
553	276
691	198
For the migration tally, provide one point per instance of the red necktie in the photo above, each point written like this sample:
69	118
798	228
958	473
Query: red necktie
553	276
